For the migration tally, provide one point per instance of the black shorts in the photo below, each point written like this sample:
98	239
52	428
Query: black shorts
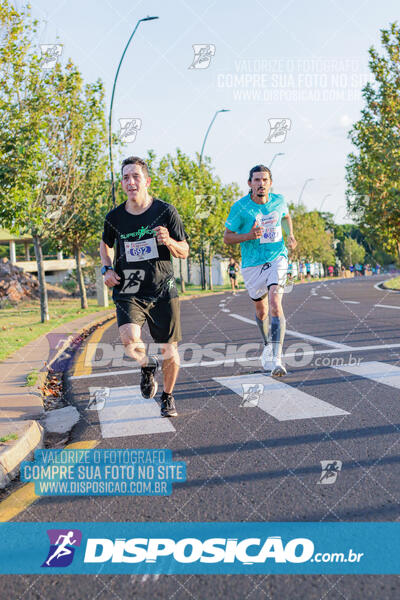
232	275
162	316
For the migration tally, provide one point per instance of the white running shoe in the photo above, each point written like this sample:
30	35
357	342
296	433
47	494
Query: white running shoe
267	359
278	370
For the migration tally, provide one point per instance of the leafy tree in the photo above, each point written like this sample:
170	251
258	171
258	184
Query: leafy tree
314	242
373	170
30	135
200	197
353	252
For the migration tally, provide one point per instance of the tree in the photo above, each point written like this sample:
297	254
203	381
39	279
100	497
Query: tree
30	134
373	172
85	162
201	199
353	252
314	242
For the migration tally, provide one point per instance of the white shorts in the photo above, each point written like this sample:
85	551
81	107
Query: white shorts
258	279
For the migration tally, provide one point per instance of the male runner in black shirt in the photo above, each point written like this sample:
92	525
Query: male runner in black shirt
147	232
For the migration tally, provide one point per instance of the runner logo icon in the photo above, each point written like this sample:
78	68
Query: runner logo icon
330	470
62	547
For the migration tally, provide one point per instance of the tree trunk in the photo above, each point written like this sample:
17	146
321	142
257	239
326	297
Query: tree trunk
210	271
44	303
79	275
202	270
181	276
189	269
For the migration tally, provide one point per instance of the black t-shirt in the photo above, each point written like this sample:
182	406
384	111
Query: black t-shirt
145	268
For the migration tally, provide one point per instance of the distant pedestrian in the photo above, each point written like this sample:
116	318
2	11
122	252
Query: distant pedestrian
233	269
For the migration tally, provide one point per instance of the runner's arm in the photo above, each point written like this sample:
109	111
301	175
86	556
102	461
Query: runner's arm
288	228
107	257
177	249
230	237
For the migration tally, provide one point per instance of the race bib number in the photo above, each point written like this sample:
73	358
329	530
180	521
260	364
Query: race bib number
271	232
141	250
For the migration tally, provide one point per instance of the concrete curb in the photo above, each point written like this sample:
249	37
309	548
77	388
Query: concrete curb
31	438
95	323
31	433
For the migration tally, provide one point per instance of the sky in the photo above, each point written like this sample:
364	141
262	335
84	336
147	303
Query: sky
289	72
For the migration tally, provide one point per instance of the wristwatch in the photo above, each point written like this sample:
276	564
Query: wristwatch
105	269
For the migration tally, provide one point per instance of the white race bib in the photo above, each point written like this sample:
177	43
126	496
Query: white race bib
270	232
141	250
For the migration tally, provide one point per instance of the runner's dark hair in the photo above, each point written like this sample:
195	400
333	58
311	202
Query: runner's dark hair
259	168
135	160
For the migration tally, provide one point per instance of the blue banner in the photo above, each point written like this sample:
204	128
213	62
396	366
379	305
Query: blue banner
200	548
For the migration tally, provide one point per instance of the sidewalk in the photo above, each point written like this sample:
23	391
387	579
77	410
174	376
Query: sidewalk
21	406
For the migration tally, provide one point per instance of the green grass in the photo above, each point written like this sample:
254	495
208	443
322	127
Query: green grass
8	438
20	325
31	378
392	284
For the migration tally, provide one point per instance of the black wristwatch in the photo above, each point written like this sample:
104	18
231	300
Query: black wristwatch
105	269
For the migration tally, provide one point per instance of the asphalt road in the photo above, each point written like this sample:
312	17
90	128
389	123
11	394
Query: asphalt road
259	462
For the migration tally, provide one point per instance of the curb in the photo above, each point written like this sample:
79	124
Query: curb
12	456
70	340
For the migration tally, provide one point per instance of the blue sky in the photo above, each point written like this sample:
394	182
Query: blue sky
304	61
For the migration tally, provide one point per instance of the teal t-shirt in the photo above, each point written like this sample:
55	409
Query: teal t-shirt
271	245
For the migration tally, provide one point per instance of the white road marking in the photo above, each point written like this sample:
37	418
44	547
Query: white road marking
387	306
126	413
376	371
225	310
376	286
229	361
282	401
297	334
350	302
326	297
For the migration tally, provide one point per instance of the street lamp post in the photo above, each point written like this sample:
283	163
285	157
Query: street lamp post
112	101
274	157
203	265
302	189
208	130
323	200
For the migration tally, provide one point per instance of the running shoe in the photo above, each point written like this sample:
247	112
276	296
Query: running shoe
267	359
148	385
168	405
278	370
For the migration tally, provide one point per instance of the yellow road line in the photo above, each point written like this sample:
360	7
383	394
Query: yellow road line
83	365
22	498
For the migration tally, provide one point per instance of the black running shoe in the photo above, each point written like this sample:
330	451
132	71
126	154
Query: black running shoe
168	405
148	385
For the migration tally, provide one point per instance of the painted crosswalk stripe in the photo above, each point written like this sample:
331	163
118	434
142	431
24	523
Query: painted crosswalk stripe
350	302
126	413
303	336
376	371
282	401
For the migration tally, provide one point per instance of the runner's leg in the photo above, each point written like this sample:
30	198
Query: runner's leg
278	322
133	344
170	365
262	317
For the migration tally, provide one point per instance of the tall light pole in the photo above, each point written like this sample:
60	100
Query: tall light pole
323	200
274	157
302	189
203	265
112	101
208	131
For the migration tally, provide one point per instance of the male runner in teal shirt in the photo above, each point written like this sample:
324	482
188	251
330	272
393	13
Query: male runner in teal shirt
255	221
